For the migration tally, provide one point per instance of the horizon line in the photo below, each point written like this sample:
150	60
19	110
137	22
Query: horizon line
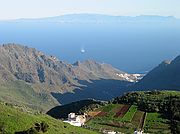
89	14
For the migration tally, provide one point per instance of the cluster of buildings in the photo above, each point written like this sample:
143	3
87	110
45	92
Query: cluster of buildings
76	120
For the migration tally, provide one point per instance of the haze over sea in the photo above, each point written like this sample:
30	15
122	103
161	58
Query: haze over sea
133	44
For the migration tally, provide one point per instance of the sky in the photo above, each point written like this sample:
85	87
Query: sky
13	9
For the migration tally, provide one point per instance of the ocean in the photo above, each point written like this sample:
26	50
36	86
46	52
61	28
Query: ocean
130	47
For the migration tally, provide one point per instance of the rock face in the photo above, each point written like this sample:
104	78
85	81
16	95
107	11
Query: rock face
164	76
49	74
34	67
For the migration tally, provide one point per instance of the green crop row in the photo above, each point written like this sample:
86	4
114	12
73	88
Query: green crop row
129	114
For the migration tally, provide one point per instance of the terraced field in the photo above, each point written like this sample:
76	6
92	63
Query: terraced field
122	111
129	114
138	119
126	118
156	124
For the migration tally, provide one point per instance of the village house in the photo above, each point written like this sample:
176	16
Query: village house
111	132
138	132
76	120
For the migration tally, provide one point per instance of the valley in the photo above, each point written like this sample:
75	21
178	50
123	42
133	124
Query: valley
27	73
41	90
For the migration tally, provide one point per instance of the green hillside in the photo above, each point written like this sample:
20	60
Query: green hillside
20	93
13	120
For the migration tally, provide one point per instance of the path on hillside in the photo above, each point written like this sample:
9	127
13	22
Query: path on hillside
142	122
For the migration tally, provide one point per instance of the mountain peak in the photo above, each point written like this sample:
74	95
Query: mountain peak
12	46
165	63
164	76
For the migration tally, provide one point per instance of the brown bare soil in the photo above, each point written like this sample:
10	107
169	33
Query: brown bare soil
93	113
122	111
101	114
115	110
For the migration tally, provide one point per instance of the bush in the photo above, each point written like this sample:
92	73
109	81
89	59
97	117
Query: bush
32	131
44	127
38	127
2	128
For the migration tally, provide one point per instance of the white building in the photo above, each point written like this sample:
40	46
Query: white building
110	132
76	120
71	116
138	132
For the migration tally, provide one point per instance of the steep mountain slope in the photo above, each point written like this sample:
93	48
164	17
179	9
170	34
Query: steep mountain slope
34	67
46	75
164	76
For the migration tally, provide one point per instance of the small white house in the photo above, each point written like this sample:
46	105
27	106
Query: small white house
110	132
138	132
76	120
71	116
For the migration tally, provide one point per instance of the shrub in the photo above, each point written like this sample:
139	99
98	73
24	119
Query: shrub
38	127
44	127
2	128
31	131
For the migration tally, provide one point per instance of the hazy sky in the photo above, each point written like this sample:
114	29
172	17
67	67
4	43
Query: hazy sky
10	9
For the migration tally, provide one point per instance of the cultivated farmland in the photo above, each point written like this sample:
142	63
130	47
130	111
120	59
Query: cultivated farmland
124	118
128	116
116	117
155	123
122	111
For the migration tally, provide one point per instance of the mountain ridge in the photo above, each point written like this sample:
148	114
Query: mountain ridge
48	75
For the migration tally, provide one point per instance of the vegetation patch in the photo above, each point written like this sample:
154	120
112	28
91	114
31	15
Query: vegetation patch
137	120
101	114
129	114
156	123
